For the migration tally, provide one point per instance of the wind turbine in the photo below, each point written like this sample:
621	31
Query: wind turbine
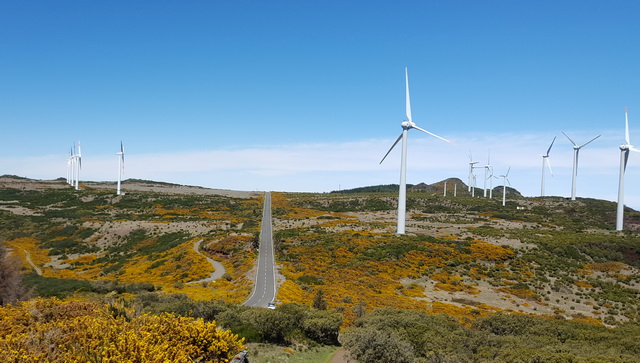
69	166
545	160
576	150
74	164
78	158
505	180
486	170
120	166
406	126
624	157
471	166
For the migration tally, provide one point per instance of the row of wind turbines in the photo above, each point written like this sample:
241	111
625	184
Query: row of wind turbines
488	169
488	175
74	165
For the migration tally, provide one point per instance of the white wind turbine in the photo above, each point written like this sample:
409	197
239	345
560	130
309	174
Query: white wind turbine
486	171
545	160
74	164
69	166
505	180
624	156
576	150
471	167
406	126
120	166
78	158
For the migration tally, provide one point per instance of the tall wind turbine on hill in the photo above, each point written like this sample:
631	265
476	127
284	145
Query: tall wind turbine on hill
471	167
120	166
74	165
406	126
486	172
78	166
69	166
576	150
624	157
505	180
545	160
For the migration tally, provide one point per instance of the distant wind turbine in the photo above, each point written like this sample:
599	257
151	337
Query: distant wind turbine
505	180
576	150
74	165
486	171
70	167
471	166
406	126
120	166
78	158
545	160
624	156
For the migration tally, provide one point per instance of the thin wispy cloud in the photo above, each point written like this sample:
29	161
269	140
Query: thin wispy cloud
321	167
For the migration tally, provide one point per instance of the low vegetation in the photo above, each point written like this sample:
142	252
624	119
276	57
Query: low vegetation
541	279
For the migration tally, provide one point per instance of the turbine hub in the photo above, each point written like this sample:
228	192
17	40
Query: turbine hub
407	125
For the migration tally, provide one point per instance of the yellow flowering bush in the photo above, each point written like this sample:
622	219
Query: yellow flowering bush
56	331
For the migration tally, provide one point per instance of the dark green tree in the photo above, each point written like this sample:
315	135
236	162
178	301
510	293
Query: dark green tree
319	302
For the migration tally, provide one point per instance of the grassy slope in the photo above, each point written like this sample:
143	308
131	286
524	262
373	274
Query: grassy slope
536	255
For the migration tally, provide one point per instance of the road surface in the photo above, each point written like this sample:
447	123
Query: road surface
218	269
264	290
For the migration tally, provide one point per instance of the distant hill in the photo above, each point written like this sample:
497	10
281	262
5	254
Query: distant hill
437	187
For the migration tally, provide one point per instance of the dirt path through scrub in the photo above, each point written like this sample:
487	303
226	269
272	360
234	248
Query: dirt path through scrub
219	269
28	257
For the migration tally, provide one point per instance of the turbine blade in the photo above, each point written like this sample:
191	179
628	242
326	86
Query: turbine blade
550	146
574	144
392	146
406	70
633	148
432	134
626	126
588	142
508	182
508	170
549	165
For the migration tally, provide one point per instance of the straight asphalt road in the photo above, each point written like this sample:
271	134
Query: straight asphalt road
264	290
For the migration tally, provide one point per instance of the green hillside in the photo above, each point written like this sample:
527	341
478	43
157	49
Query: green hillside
544	279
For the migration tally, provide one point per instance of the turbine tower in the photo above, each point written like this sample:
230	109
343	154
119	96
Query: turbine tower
406	126
74	165
120	166
505	180
69	167
624	157
471	167
576	150
78	158
545	160
486	171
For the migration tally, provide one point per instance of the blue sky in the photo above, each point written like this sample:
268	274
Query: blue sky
309	95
